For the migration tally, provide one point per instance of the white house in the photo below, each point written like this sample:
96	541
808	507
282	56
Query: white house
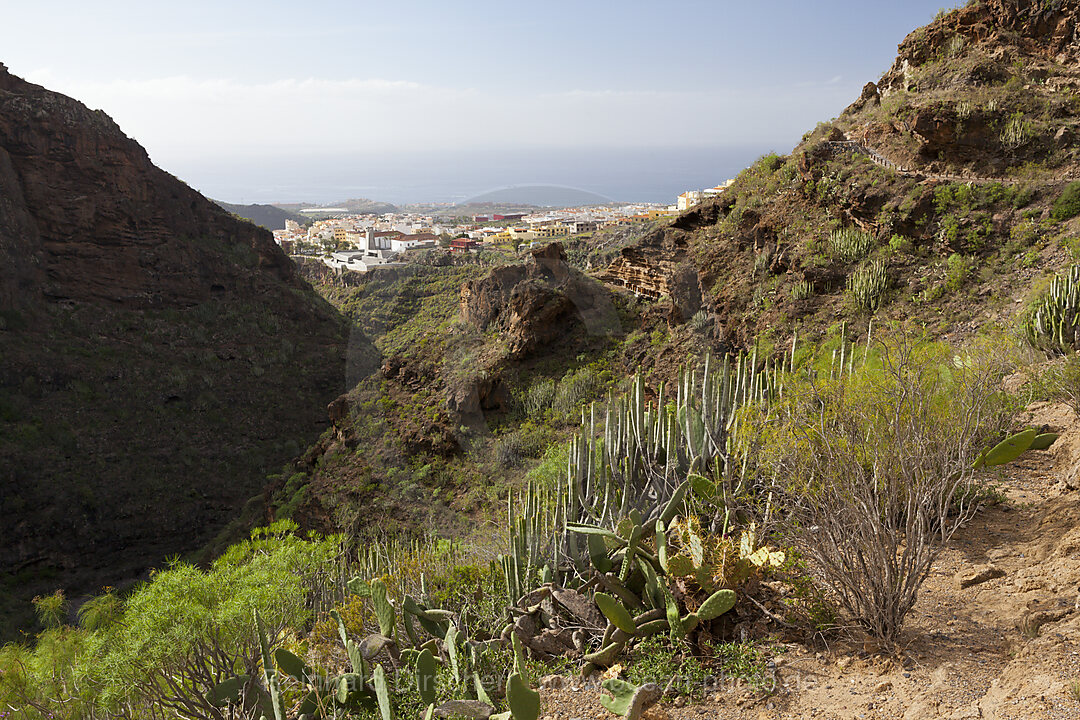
407	242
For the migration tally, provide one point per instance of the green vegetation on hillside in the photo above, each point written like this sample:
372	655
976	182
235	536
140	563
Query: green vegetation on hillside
346	628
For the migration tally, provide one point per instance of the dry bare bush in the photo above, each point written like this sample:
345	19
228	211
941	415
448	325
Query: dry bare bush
878	467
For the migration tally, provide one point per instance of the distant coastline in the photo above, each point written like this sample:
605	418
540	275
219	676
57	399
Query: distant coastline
653	175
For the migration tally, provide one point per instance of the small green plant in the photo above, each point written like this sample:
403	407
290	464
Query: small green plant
850	244
900	245
742	661
958	268
1067	206
700	322
955	45
1074	690
52	609
867	284
538	398
802	290
575	388
656	660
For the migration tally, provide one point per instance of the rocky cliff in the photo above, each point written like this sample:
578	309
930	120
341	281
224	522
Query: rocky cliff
158	357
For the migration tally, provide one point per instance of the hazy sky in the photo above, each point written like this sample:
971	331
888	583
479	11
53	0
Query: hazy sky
206	86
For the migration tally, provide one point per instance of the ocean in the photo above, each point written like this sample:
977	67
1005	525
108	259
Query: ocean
625	175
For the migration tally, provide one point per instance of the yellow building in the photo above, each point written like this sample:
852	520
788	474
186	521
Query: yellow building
551	231
522	234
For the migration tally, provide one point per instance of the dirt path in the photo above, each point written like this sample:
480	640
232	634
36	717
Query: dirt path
850	145
1005	647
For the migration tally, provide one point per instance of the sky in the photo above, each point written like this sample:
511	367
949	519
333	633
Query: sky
430	100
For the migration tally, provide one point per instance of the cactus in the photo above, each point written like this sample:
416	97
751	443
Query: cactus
228	691
384	611
619	616
1007	450
1043	441
1052	323
452	637
382	692
631	548
359	586
850	244
434	622
269	670
867	284
425	677
628	700
478	688
716	605
356	658
519	657
598	553
606	655
292	666
524	702
632	456
661	545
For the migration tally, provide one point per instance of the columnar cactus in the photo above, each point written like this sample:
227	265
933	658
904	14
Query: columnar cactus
1052	324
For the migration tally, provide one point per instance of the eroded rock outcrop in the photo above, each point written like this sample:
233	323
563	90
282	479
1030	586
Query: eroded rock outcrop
538	303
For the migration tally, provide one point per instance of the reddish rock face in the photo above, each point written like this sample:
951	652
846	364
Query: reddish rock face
158	357
87	216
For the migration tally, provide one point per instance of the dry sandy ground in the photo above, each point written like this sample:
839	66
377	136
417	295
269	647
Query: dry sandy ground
1007	647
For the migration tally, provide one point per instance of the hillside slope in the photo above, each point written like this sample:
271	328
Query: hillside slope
159	356
270	217
938	192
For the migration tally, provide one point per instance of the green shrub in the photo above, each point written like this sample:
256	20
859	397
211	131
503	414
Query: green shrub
173	638
655	660
701	321
876	461
958	268
1067	206
52	609
100	612
509	450
900	244
538	398
575	389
